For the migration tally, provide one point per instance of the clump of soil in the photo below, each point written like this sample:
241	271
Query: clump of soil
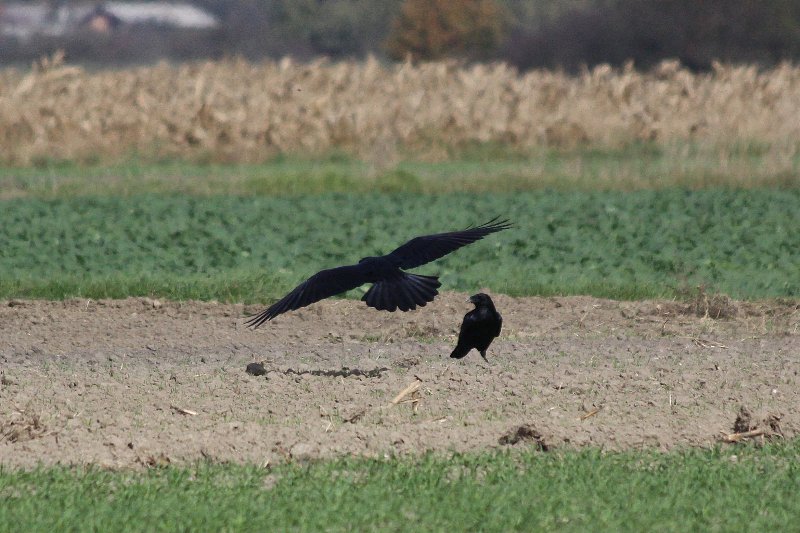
743	421
747	427
21	426
715	306
525	433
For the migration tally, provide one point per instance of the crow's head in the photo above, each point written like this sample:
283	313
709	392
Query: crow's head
480	299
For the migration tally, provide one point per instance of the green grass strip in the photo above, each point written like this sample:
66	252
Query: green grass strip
731	489
479	168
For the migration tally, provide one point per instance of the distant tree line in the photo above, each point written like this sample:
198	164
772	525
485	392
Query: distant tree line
647	31
564	34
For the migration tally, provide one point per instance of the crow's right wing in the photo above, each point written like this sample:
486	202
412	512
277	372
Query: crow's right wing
321	285
427	248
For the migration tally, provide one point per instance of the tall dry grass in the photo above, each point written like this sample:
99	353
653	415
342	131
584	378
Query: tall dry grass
238	111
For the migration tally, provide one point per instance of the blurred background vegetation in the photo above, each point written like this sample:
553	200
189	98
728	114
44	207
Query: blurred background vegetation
528	34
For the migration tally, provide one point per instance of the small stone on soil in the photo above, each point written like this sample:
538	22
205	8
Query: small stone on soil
256	369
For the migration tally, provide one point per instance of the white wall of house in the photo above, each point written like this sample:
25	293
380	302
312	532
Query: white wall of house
24	20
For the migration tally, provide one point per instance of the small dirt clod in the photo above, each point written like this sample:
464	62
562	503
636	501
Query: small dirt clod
524	433
256	369
743	421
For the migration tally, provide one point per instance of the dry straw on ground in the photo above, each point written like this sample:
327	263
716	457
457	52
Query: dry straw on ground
238	111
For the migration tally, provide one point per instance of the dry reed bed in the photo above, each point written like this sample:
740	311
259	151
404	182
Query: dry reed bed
238	111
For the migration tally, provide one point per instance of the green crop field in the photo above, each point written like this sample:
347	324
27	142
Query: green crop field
632	245
628	225
746	489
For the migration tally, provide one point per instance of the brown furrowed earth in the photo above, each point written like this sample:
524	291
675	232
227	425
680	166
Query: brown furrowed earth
140	382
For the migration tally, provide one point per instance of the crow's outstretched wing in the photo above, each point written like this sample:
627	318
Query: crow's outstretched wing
421	250
321	285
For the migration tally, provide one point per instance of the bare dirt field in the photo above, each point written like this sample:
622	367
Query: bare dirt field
141	382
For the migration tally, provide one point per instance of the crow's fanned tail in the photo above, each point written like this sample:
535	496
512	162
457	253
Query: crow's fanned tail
406	292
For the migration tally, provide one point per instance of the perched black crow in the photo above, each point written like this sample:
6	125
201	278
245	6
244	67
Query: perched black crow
479	328
392	288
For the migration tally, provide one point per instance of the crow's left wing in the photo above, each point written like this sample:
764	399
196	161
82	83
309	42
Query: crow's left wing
321	285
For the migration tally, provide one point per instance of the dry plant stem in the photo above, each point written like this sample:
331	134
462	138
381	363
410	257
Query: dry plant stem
705	343
736	437
413	388
410	394
591	413
183	411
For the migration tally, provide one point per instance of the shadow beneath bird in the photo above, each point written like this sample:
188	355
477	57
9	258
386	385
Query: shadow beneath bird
343	372
479	328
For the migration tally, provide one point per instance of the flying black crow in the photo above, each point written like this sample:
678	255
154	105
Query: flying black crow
479	328
392	288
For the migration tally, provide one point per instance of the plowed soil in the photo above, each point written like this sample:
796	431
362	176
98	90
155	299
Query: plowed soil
135	382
